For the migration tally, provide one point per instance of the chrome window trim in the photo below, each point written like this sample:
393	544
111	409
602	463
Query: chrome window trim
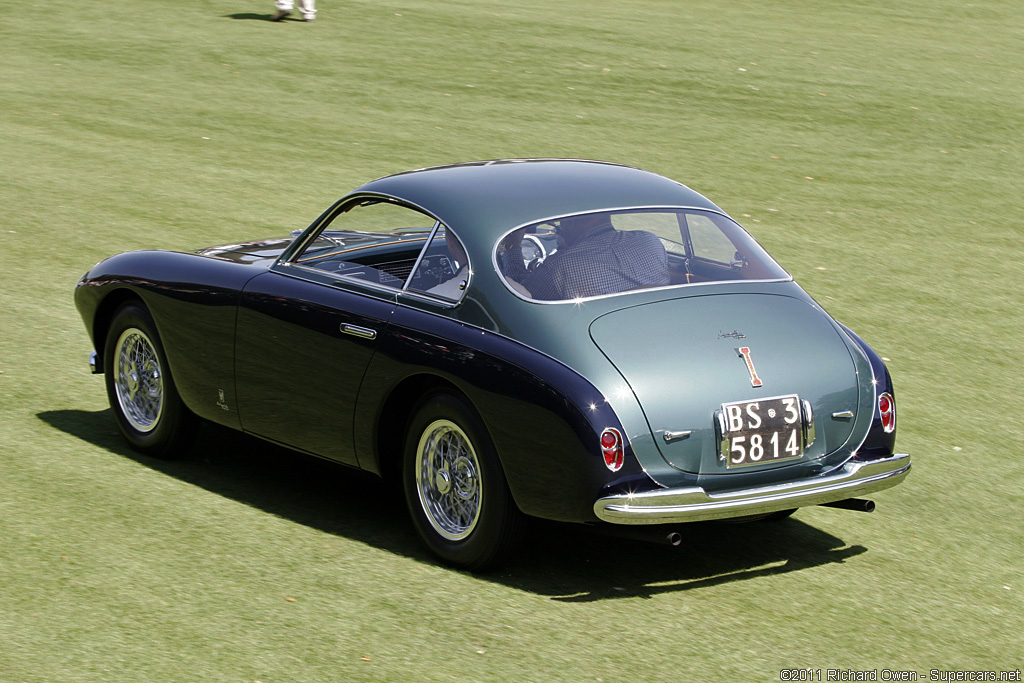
504	236
407	295
426	296
419	257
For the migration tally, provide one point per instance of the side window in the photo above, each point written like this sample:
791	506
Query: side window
444	269
708	240
663	224
375	241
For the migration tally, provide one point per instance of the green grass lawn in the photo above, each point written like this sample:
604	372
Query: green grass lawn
875	148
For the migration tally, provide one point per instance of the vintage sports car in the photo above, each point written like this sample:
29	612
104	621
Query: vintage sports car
572	340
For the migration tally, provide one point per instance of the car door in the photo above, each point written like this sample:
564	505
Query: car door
308	327
300	352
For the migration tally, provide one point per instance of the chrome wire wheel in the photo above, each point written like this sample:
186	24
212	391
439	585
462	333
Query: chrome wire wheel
138	381
448	480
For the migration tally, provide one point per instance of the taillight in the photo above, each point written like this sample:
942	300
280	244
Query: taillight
887	410
611	448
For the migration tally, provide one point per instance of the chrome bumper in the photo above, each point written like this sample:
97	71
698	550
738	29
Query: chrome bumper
693	504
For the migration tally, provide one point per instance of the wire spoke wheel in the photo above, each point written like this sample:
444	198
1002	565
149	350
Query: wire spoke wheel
456	491
448	480
139	381
145	400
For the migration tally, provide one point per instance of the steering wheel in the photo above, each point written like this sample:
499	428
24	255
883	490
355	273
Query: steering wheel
534	252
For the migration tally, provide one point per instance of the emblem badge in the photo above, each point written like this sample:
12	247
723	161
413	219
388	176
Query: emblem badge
755	381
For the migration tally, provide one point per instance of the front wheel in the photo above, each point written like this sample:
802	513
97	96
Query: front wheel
455	488
142	394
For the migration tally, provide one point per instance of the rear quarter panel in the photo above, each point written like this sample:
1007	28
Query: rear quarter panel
544	418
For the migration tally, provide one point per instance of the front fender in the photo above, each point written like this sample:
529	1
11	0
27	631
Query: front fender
193	301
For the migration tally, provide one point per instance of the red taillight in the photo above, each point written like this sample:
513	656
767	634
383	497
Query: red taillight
887	411
611	448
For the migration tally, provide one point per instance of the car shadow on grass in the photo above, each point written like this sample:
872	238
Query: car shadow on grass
567	562
259	17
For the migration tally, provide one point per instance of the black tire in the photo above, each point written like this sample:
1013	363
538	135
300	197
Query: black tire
146	405
454	486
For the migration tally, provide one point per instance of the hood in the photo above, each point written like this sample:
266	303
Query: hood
682	360
250	252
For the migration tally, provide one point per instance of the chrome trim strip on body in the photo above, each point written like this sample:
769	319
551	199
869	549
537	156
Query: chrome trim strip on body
692	504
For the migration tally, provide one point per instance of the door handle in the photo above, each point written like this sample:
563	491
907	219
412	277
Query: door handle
356	331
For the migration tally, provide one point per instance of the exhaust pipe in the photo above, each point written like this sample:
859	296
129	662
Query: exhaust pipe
856	504
672	538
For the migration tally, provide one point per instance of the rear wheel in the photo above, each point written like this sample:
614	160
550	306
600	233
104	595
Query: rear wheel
147	408
455	488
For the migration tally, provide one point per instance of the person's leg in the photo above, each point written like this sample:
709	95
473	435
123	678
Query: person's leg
284	8
308	9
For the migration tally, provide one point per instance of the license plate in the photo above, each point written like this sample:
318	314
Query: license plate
761	431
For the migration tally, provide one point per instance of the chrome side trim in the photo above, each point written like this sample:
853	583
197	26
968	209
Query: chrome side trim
692	504
843	415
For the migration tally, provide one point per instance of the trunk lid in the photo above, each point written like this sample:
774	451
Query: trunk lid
681	358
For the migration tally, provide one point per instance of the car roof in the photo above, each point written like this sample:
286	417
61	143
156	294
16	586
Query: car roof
483	200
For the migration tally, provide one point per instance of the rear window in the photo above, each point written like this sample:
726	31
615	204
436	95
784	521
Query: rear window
611	252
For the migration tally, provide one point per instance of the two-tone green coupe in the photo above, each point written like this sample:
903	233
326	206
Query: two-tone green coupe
571	340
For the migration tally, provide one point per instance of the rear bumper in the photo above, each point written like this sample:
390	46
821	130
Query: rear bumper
693	504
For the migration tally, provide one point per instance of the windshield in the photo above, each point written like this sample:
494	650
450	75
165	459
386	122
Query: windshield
610	252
